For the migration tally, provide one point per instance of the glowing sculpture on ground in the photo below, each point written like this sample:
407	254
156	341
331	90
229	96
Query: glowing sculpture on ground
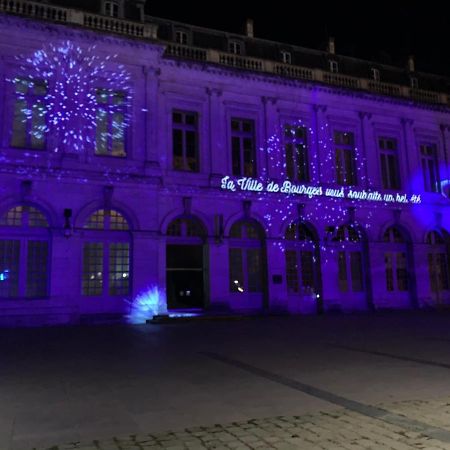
78	84
146	305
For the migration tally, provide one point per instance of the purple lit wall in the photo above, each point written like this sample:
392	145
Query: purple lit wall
358	262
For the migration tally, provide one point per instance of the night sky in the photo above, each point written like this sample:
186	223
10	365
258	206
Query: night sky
382	31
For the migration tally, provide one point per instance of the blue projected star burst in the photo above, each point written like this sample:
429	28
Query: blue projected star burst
73	85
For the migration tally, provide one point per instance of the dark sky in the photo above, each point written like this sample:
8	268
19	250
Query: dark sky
378	30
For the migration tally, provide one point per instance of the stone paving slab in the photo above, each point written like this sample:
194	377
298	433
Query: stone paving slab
337	430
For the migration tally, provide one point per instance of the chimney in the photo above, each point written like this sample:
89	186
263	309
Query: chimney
331	46
411	64
249	28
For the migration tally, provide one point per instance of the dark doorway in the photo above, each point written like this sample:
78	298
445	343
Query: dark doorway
184	276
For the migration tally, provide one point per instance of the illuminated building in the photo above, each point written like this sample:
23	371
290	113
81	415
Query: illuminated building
227	172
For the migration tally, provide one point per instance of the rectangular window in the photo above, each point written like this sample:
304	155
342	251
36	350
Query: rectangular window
236	270
286	57
254	269
390	174
243	152
402	273
345	158
234	47
389	268
92	269
438	270
356	271
296	152
37	270
110	123
291	271
185	141
119	268
430	169
9	268
342	272
29	121
181	37
307	266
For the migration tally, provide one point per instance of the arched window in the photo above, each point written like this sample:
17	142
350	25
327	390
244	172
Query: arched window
438	268
106	255
24	253
300	249
350	270
395	260
246	257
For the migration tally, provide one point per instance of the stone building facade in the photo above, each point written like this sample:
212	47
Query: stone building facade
235	173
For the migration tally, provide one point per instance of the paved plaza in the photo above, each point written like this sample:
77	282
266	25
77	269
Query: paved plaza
378	381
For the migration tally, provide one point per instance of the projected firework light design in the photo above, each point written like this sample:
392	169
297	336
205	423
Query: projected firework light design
76	81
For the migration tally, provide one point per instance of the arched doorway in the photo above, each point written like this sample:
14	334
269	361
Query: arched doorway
438	267
247	265
302	256
186	254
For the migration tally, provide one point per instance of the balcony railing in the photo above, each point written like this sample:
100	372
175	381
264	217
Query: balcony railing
149	31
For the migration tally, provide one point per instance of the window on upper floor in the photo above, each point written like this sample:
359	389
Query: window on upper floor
375	74
390	174
181	37
414	83
235	47
296	153
111	9
430	169
110	123
29	121
334	67
345	158
286	57
185	152
243	154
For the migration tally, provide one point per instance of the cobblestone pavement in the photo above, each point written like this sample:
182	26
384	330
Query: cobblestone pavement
336	430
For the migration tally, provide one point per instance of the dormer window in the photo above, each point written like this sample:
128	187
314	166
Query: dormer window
414	83
235	47
375	74
111	9
181	37
334	68
286	57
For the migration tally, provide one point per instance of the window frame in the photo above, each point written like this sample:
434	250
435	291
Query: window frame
184	128
390	176
342	163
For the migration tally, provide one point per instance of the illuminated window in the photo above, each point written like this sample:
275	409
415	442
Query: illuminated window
185	141
300	259
24	254
29	122
246	258
345	158
243	147
235	47
438	266
429	160
390	175
106	255
296	153
395	260
110	123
